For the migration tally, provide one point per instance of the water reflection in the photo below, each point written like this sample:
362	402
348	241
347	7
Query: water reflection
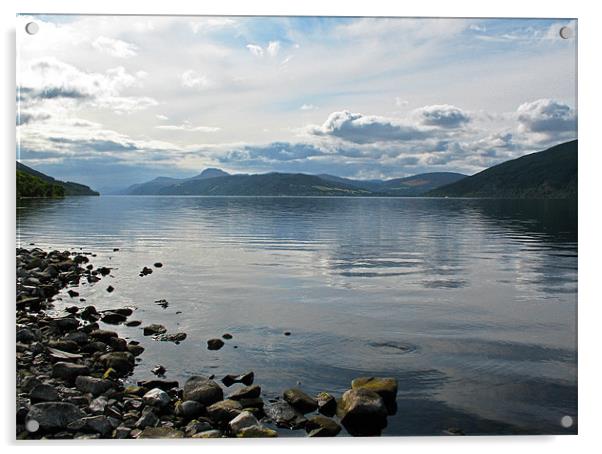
469	303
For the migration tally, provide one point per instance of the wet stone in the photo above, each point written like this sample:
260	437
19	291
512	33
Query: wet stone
215	344
247	392
153	329
300	400
202	390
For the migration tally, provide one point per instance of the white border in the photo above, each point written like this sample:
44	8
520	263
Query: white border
590	252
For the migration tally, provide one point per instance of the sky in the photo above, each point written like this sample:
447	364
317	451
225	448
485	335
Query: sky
110	101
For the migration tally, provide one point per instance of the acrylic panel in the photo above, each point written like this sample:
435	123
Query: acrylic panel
295	226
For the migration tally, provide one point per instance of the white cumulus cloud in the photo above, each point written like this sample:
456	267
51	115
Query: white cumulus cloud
115	47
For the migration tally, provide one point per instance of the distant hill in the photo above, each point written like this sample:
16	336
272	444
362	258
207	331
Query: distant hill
31	183
154	187
218	182
269	184
415	185
551	173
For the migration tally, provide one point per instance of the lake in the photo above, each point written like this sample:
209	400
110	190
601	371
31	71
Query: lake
470	304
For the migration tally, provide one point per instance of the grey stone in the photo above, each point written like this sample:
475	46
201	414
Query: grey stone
122	362
284	415
321	426
300	401
362	412
148	419
202	390
99	424
247	392
157	398
54	415
224	411
44	393
189	409
95	386
244	419
69	371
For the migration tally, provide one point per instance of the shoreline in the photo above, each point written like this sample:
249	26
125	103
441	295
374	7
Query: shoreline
70	375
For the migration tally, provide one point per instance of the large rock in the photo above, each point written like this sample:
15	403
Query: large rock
384	387
224	411
93	385
203	390
54	415
284	415
189	409
362	412
244	419
69	371
156	398
44	393
321	426
247	392
122	362
300	401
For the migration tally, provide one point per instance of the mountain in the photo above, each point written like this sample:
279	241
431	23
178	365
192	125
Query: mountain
269	184
218	182
31	183
548	174
415	185
154	187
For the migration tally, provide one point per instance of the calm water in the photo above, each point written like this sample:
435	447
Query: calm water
470	304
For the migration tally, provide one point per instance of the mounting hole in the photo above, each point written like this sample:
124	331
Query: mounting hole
566	422
32	425
566	32
32	28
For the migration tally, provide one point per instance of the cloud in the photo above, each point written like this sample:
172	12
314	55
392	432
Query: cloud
192	79
115	47
443	116
210	24
400	102
547	117
255	50
277	151
363	129
188	127
273	48
308	107
49	79
162	117
24	118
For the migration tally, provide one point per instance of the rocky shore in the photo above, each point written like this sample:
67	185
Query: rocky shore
71	375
